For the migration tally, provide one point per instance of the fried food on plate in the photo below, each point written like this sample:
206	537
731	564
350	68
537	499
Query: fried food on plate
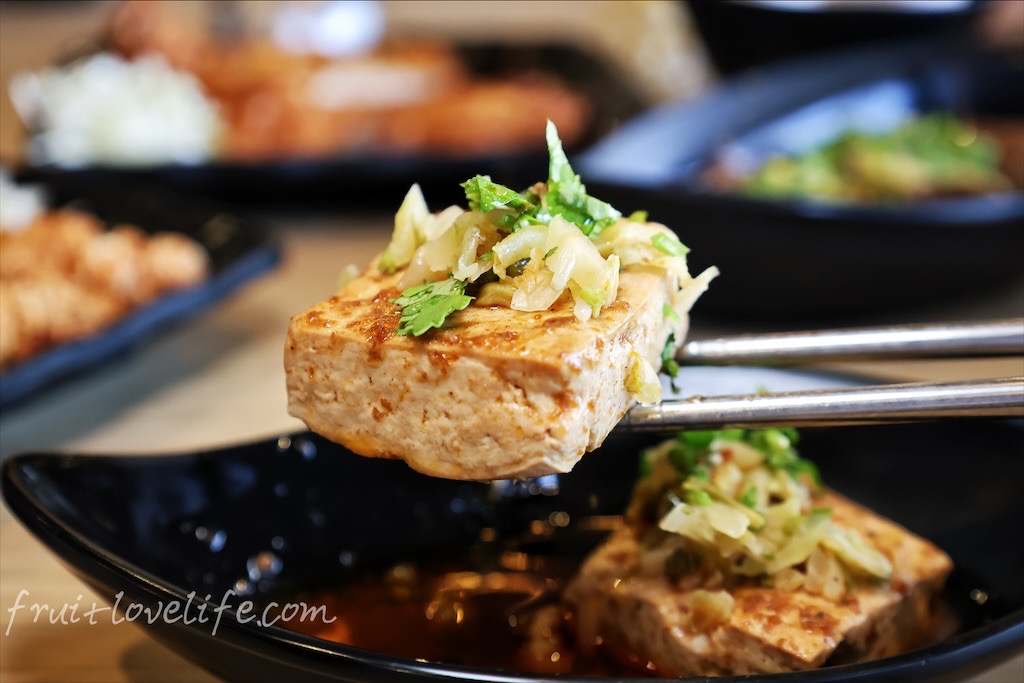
403	96
64	277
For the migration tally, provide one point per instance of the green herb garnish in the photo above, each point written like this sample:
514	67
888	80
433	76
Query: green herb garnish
778	445
749	497
698	498
567	196
483	194
668	361
426	306
669	245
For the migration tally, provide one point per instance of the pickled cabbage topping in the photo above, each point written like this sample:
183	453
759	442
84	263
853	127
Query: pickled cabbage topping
528	250
743	503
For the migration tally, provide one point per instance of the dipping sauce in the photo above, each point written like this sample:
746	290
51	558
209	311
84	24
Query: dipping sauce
496	605
481	620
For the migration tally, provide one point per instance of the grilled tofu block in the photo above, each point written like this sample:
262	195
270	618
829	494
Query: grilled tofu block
635	612
496	393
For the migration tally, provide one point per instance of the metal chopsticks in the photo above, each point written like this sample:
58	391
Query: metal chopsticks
996	338
847	406
834	407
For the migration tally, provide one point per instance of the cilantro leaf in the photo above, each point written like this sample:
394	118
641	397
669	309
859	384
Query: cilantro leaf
567	196
668	360
483	194
669	245
426	306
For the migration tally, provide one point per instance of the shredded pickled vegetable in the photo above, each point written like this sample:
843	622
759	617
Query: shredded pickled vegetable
531	249
743	502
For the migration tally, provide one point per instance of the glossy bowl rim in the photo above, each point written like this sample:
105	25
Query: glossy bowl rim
985	641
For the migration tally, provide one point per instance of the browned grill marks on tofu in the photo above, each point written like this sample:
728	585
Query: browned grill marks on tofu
769	629
494	393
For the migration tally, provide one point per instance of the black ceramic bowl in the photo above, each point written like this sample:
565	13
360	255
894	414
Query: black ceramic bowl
807	259
161	527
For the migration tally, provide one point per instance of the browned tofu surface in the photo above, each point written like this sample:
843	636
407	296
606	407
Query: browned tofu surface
770	630
496	393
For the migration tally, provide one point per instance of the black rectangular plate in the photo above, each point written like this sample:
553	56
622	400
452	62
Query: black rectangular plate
239	248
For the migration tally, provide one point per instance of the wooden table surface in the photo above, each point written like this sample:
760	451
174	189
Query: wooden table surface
218	380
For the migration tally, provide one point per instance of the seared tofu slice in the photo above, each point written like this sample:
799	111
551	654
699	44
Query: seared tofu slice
636	612
495	394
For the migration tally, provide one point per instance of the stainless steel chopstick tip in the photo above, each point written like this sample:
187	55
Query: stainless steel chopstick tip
943	340
835	407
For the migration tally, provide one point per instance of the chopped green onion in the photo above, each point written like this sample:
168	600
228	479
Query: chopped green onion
668	361
669	245
749	497
700	498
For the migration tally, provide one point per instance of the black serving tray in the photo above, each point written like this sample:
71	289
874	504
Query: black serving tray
240	249
801	259
161	527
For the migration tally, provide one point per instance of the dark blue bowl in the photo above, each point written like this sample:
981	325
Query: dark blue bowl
745	34
161	527
811	260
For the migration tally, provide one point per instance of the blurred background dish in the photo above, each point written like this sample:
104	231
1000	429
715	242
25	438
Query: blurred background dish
783	254
99	272
302	91
927	156
370	176
744	34
230	101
